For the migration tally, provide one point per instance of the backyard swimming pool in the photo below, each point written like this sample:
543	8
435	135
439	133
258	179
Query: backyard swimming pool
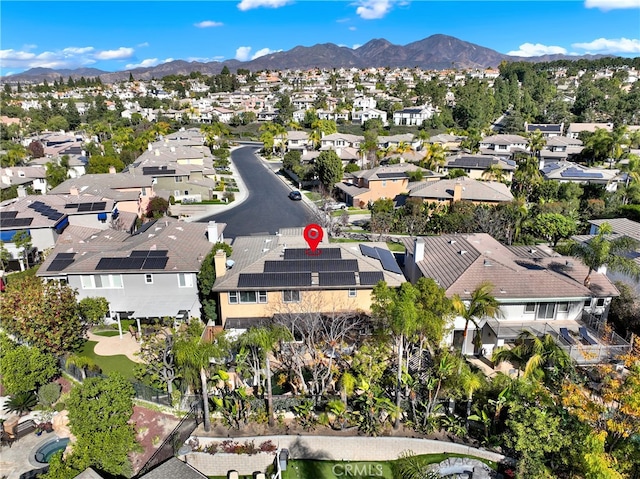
49	448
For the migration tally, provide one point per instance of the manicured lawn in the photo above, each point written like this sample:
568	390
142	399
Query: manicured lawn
335	469
107	333
119	363
395	247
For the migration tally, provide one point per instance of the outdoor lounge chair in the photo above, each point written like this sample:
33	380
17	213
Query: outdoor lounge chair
564	333
584	334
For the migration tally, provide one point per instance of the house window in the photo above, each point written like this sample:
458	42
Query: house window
530	308
384	183
291	296
178	179
546	310
148	278
563	307
185	280
247	297
102	281
587	303
176	192
353	292
600	303
144	192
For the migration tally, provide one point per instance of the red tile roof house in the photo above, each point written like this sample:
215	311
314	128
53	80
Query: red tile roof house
538	290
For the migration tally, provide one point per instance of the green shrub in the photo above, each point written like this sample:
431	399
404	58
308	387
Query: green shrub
49	394
21	403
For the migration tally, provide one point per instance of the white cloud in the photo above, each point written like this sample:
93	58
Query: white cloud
611	4
208	24
149	62
610	45
70	57
373	9
242	53
262	52
119	54
251	4
77	51
204	59
537	49
143	44
353	29
356	46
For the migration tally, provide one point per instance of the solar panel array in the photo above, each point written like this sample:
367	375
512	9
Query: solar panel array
157	170
384	255
6	215
577	173
88	207
16	222
271	280
138	259
302	253
393	175
46	210
337	278
61	261
371	277
311	265
469	161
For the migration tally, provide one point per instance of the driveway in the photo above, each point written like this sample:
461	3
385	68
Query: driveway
267	209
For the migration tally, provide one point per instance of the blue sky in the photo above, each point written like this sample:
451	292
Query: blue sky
120	35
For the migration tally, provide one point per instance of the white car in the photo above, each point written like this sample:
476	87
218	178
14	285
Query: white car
332	205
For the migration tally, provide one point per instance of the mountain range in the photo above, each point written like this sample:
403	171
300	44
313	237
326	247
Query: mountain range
437	52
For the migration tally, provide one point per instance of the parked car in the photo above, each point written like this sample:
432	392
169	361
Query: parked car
333	205
295	195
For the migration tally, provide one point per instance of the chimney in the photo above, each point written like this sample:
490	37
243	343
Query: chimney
212	232
112	170
220	263
74	191
149	147
22	192
157	152
457	191
418	250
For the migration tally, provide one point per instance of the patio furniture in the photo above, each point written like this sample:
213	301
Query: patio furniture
134	332
584	334
564	333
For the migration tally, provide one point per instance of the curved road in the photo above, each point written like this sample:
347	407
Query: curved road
267	208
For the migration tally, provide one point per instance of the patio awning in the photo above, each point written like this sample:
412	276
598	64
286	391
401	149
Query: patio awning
160	308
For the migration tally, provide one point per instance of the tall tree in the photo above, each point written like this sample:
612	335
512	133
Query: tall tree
605	249
329	169
481	304
43	314
261	341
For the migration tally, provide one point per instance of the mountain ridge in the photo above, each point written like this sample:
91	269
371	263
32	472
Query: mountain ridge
436	52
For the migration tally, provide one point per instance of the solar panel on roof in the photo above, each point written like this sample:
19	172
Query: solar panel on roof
71	205
155	263
55	216
16	222
65	256
131	263
301	253
159	253
369	251
84	207
273	280
334	278
7	215
370	277
59	264
98	206
388	261
109	263
393	175
310	265
139	253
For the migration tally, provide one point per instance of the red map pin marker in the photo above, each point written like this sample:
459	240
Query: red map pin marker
313	234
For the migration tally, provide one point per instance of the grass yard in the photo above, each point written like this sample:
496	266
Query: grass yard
395	247
119	363
108	333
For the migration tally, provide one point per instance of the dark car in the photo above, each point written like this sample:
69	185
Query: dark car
295	195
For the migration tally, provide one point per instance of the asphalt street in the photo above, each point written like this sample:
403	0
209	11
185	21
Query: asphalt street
267	209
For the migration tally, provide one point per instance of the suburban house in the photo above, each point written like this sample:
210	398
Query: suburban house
447	192
365	186
447	141
619	226
476	166
298	140
414	116
576	128
504	146
271	275
569	172
560	148
334	141
548	130
33	177
366	114
537	289
130	192
45	217
148	274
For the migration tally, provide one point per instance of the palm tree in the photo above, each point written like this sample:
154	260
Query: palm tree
193	354
536	143
262	342
605	250
435	157
531	353
481	304
494	172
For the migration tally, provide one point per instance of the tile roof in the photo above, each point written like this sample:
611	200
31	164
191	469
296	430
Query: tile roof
481	162
622	226
514	277
186	245
472	190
